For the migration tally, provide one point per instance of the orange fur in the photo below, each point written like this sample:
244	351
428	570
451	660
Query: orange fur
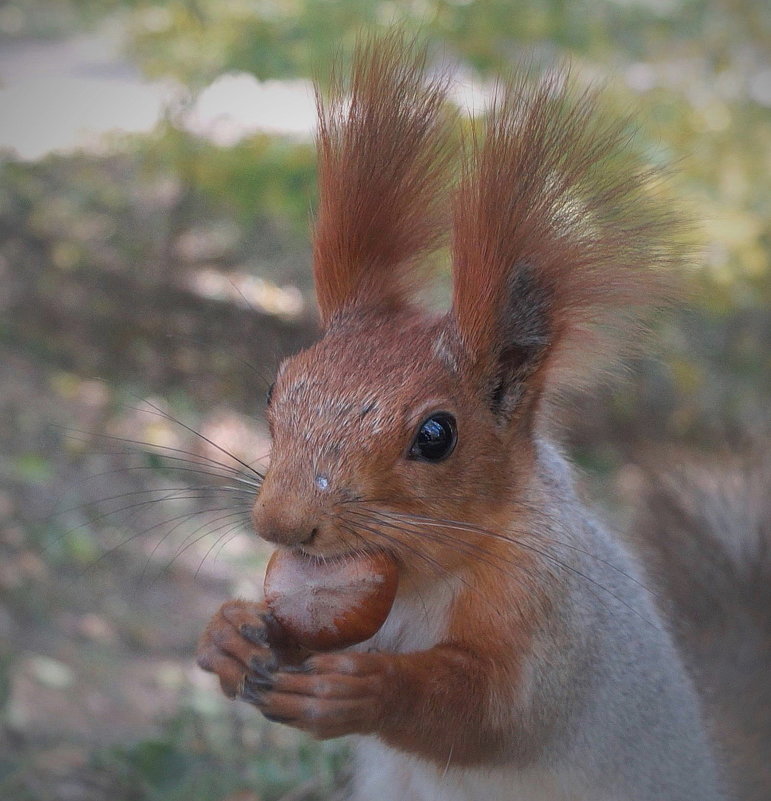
384	153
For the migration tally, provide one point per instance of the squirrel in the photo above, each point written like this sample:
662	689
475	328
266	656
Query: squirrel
525	655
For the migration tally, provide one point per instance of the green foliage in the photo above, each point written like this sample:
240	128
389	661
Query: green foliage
126	210
195	40
693	73
194	757
202	757
262	175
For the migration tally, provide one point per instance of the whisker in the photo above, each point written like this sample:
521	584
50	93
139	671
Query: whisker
194	493
163	450
169	469
135	508
228	538
456	541
468	547
351	527
234	528
481	555
440	569
182	519
456	524
196	539
203	344
394	542
166	416
122	544
231	513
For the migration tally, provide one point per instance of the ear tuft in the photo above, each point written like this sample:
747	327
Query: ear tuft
384	157
561	245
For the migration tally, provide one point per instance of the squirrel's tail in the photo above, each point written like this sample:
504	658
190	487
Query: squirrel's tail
706	534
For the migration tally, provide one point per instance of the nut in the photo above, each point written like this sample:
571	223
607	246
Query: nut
328	604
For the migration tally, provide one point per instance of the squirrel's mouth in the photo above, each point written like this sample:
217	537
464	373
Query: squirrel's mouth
316	548
339	557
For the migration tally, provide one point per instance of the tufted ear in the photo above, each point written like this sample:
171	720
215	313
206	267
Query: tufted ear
561	245
384	155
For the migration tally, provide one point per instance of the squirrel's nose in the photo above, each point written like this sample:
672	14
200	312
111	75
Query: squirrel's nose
286	536
280	518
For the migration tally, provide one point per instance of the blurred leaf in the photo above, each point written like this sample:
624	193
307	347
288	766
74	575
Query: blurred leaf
32	468
159	764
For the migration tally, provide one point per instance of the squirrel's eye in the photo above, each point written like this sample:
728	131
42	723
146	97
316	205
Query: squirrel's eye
435	439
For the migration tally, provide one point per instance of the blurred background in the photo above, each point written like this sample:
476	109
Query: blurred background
156	188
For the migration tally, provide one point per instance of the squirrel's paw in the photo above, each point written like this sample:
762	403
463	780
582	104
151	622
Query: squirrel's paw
235	643
328	695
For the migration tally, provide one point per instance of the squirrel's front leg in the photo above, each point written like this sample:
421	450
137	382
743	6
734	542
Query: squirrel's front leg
435	703
428	703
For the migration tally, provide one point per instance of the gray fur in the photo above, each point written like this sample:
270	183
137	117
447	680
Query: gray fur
629	714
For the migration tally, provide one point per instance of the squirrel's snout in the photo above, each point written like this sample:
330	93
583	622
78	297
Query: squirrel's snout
283	532
288	537
283	520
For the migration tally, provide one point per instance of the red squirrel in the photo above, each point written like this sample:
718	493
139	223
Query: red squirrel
524	656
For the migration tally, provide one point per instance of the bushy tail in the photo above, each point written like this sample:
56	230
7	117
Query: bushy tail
706	534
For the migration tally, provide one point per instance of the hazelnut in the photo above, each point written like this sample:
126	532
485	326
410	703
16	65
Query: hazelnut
328	604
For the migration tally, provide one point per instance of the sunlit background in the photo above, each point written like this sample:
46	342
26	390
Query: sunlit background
156	187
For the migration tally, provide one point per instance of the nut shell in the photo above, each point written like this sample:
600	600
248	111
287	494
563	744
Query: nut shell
329	604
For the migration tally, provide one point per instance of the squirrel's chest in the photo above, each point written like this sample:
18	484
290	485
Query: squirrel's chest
418	619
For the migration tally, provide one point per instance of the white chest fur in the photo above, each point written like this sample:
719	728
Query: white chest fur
418	619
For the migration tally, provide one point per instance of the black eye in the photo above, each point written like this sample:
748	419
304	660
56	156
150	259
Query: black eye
435	439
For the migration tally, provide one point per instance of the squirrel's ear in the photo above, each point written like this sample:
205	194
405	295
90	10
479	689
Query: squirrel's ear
384	155
504	336
561	245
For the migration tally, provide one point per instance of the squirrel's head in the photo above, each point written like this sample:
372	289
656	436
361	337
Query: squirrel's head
378	419
413	431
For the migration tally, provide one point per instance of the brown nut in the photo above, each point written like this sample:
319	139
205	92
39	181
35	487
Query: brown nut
330	604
